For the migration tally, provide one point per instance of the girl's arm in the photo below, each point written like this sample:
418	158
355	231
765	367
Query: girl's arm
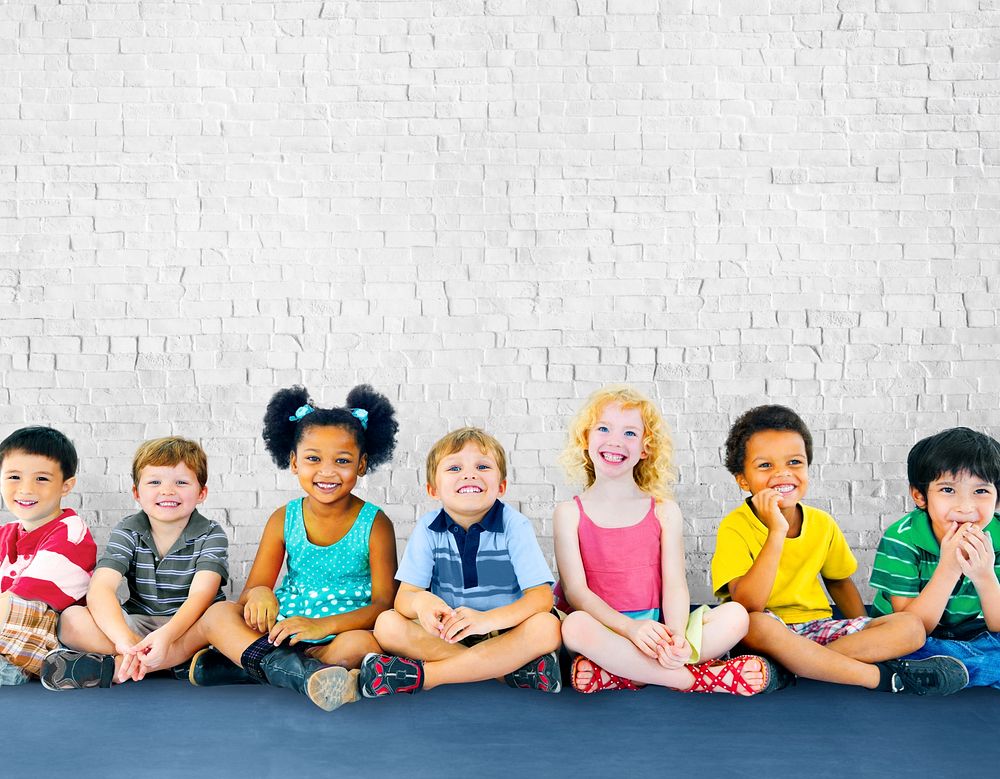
260	606
676	600
572	577
845	594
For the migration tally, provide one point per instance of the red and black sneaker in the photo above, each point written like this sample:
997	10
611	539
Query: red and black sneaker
387	675
540	674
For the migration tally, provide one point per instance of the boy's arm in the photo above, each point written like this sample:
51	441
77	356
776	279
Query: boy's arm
153	648
417	603
977	560
753	589
846	596
464	621
930	602
573	578
103	605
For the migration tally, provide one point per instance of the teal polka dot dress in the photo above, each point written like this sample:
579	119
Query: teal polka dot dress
322	581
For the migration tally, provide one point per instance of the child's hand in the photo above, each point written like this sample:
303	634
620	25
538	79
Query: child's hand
675	654
464	622
296	629
648	635
261	609
431	613
951	543
152	650
129	668
976	556
767	506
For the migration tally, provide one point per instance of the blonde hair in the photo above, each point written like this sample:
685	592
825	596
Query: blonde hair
170	451
456	440
654	474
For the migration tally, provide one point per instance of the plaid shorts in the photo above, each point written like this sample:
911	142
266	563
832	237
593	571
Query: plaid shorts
824	631
28	634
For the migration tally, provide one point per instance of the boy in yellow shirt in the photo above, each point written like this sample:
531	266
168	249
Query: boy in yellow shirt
770	554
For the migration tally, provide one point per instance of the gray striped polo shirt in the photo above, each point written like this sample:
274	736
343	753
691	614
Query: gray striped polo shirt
159	586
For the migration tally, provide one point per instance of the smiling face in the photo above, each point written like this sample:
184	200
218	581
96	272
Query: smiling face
467	483
33	488
776	459
957	498
614	443
328	463
168	493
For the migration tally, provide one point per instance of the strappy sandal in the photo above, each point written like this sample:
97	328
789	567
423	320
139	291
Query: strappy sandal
710	676
600	679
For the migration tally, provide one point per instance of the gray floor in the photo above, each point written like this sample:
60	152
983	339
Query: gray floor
164	728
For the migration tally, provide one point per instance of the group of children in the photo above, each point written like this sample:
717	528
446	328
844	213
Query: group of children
472	598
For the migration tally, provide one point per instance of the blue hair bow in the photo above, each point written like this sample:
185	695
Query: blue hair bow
361	415
301	411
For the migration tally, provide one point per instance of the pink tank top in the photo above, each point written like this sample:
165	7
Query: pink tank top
622	564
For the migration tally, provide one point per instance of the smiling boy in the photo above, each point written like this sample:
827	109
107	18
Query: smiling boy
771	553
940	561
174	561
46	556
475	592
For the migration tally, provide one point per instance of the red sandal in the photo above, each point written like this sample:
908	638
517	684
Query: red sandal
600	679
710	676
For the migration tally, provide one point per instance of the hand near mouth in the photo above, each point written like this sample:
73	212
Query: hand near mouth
767	506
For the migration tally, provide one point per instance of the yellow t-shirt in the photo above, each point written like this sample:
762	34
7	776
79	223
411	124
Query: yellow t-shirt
819	550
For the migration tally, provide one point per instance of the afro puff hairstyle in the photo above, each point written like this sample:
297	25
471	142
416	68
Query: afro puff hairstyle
282	434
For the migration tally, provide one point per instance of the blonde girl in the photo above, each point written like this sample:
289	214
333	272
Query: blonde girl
620	551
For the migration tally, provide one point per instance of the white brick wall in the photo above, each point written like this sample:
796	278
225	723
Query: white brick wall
487	210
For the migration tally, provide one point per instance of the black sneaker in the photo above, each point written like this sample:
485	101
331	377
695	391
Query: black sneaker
388	675
937	675
67	669
540	674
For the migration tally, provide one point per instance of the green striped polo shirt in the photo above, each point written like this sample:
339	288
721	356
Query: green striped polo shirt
158	586
908	556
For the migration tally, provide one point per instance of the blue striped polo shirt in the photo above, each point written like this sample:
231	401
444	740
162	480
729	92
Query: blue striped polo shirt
488	566
158	586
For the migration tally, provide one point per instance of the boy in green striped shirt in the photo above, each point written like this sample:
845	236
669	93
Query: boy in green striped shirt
940	561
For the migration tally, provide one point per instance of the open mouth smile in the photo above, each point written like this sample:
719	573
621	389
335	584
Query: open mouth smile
469	489
326	486
168	504
612	457
26	503
784	489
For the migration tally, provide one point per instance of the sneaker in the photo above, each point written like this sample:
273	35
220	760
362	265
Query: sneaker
67	669
937	675
540	674
386	675
209	668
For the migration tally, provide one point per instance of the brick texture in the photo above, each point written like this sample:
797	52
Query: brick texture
488	210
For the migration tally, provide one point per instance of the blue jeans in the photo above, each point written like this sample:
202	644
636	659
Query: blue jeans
981	656
10	674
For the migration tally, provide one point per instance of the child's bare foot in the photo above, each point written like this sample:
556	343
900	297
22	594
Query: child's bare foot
743	675
587	676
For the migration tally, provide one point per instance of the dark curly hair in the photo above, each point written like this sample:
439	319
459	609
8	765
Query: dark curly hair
954	451
282	435
754	421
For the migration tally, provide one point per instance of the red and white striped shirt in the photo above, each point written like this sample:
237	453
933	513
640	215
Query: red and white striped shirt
52	563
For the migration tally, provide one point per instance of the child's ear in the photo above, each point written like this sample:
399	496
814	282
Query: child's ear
742	483
503	488
202	495
292	465
68	485
135	493
363	465
432	491
918	497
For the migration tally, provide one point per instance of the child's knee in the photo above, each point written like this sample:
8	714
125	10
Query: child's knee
219	613
911	627
67	629
389	627
579	630
543	631
734	617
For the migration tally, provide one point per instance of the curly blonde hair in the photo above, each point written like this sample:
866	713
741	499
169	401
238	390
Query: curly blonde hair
654	474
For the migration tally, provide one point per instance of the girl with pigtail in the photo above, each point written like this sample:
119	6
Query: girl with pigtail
312	631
